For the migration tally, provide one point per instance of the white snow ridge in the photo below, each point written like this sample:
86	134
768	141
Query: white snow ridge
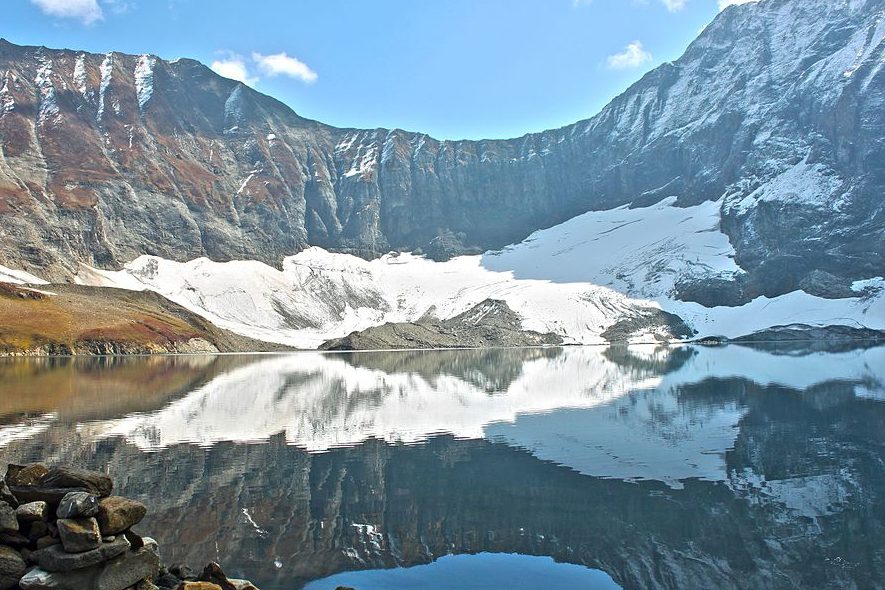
576	279
144	80
106	69
48	106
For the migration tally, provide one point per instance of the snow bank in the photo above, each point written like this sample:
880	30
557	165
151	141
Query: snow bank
576	279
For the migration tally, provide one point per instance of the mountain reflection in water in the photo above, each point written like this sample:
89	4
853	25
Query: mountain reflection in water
664	468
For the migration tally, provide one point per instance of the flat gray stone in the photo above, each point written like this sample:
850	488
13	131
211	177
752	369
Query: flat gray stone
118	574
70	477
56	559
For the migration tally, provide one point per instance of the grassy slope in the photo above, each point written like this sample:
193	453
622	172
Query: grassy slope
94	320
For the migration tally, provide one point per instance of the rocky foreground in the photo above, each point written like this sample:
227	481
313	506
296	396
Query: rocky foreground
61	529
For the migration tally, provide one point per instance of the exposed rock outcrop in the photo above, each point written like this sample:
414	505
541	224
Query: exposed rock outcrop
488	324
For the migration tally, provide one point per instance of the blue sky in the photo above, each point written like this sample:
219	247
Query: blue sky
451	68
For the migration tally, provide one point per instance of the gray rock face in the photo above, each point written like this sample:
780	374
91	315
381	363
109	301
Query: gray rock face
777	109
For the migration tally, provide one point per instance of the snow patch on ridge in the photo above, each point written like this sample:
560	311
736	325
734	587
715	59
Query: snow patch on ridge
7	101
144	80
48	107
106	69
80	77
19	277
577	280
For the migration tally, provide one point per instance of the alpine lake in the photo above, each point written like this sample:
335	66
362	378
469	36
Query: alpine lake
557	468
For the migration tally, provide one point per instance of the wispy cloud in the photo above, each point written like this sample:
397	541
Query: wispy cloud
674	5
633	56
87	11
235	68
280	64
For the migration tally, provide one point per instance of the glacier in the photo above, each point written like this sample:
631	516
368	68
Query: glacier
576	279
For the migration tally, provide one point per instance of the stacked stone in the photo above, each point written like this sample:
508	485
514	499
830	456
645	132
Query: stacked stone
61	529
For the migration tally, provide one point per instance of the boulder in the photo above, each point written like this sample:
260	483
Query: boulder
79	534
37	529
134	540
25	475
243	584
129	569
14	539
6	495
12	567
120	573
47	541
56	559
32	512
117	515
198	586
77	505
70	477
214	574
8	520
182	572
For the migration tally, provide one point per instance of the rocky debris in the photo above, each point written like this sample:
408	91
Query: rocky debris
491	323
78	505
86	541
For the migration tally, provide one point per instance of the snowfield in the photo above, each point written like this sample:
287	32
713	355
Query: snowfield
576	279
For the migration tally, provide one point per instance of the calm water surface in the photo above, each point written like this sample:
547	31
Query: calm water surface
585	468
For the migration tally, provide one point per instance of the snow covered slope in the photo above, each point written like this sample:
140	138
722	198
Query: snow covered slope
577	280
19	277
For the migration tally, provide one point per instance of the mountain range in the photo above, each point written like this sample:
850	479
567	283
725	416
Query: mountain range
736	189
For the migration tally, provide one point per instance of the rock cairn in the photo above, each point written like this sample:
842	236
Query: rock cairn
61	529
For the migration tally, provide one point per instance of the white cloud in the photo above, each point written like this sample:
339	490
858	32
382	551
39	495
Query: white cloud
87	11
674	5
725	3
235	68
633	56
281	64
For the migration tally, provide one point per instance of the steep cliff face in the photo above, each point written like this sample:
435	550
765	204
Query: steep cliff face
777	106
